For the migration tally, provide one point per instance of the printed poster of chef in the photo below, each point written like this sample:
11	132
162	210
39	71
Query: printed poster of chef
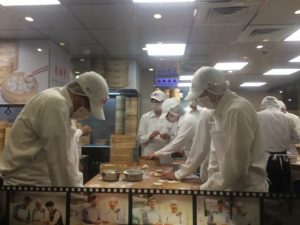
245	211
213	211
281	211
3	219
162	209
37	208
98	208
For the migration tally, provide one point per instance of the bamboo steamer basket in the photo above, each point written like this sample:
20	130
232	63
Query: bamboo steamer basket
98	66
122	148
131	115
12	95
175	92
116	73
120	115
4	133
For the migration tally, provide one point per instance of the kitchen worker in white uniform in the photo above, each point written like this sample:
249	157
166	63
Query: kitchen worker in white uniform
21	212
151	216
237	159
114	214
38	152
174	113
199	153
194	109
153	132
175	217
279	133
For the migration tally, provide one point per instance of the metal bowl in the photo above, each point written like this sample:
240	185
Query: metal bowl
110	175
133	175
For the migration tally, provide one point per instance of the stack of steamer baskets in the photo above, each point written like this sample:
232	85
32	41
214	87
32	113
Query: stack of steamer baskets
4	134
120	114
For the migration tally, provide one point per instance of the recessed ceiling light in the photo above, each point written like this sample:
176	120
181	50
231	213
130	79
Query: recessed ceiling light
294	36
259	46
297	59
82	60
297	12
230	71
77	76
160	1
151	69
266	40
252	84
281	71
62	44
144	49
29	19
289	100
77	72
39	50
280	92
184	84
186	77
230	65
245	57
157	16
28	2
195	12
165	49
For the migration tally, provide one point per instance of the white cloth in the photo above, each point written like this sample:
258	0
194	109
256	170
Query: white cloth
38	152
199	153
151	216
278	130
184	136
177	218
38	216
237	158
150	122
75	135
241	219
116	216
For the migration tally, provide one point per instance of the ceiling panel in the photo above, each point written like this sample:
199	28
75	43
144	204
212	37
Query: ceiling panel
116	36
128	50
214	34
87	51
104	16
70	36
20	34
170	35
53	16
9	21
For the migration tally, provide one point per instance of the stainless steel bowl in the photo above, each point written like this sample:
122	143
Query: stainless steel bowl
110	175
133	175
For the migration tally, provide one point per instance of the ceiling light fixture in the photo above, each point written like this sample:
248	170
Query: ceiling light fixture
297	12
165	49
185	77
62	44
297	59
184	84
230	71
230	65
39	50
259	46
77	72
82	60
160	1
294	36
28	2
29	19
157	16
266	40
280	91
151	69
252	84
281	71
195	12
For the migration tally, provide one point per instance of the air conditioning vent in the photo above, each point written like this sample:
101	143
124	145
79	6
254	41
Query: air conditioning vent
259	32
226	14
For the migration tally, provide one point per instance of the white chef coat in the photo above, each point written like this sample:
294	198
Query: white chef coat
199	153
296	121
150	122
75	135
22	213
38	216
116	216
278	130
184	136
177	218
237	160
151	216
91	214
38	152
241	219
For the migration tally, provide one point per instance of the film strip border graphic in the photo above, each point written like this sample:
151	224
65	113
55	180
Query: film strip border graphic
151	191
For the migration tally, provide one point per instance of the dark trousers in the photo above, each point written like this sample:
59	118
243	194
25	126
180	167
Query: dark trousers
279	173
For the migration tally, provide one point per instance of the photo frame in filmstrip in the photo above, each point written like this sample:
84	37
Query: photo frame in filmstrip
104	208
155	208
30	207
3	208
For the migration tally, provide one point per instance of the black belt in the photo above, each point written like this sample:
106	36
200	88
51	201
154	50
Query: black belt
274	153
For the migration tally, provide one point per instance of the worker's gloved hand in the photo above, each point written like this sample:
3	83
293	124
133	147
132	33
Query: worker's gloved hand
86	130
165	136
154	134
168	175
150	156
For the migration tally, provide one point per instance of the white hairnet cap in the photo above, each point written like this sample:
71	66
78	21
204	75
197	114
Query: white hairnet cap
172	105
205	78
281	104
96	89
158	95
269	102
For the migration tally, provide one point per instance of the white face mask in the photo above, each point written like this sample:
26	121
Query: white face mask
206	102
156	106
81	114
